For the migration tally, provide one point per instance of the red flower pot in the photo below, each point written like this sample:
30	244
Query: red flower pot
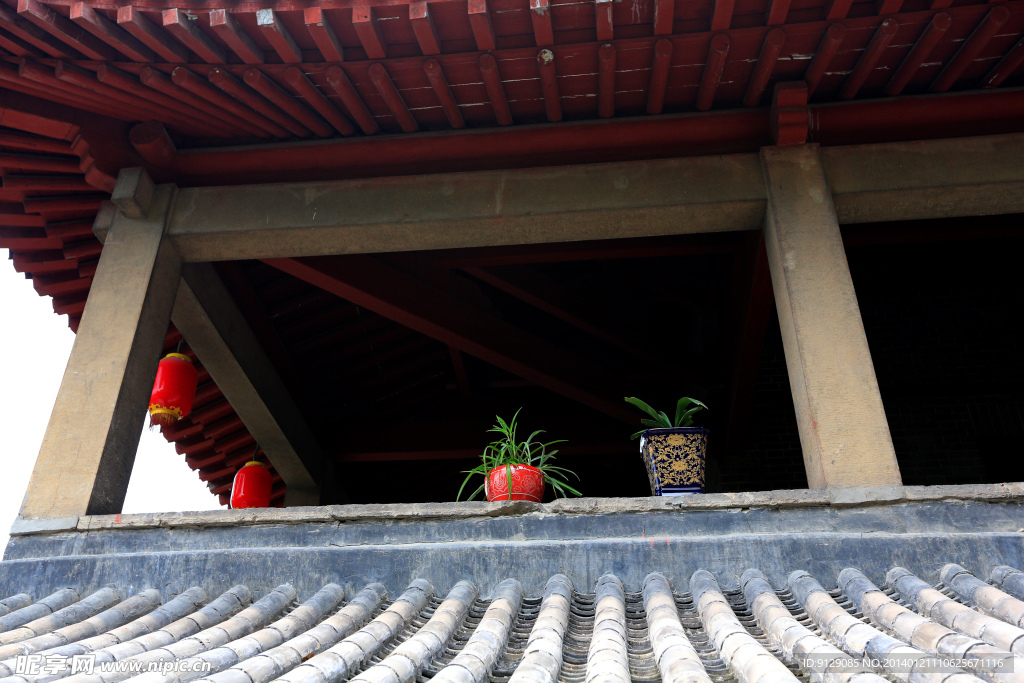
527	483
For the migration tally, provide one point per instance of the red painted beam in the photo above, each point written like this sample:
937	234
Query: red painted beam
284	101
827	49
225	26
495	90
364	21
886	7
740	130
261	112
369	283
838	9
770	51
89	83
159	81
531	286
517	147
316	99
151	141
660	63
16	47
604	19
777	12
48	183
66	31
392	98
926	42
343	88
480	22
21	220
721	15
274	31
606	81
74	231
44	205
540	15
83	251
32	34
424	28
110	76
664	15
1006	66
920	117
110	33
971	48
149	34
713	67
323	34
185	30
44	78
869	58
189	81
34	143
789	114
549	85
435	74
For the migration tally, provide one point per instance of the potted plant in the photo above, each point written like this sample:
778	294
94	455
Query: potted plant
518	470
673	450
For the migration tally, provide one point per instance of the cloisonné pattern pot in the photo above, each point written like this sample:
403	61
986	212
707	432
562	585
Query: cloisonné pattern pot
527	483
675	459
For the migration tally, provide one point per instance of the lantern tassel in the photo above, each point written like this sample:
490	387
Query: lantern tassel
162	416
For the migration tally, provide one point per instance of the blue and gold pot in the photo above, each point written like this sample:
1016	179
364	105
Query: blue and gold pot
675	459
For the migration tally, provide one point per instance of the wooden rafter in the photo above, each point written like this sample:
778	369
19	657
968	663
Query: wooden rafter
370	283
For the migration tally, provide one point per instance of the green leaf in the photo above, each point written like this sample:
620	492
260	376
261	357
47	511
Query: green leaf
469	475
508	450
637	434
680	406
632	400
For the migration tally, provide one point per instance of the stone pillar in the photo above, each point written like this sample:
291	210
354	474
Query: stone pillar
90	442
843	429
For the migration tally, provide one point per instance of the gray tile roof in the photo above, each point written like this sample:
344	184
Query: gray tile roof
698	633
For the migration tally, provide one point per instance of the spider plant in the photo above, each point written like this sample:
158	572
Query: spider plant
508	450
683	417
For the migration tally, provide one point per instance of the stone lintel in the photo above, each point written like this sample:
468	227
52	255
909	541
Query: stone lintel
782	499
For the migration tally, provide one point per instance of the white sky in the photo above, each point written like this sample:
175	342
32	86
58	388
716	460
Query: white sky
35	344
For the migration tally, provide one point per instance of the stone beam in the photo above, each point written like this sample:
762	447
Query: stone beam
893	181
869	183
89	447
455	210
207	316
843	430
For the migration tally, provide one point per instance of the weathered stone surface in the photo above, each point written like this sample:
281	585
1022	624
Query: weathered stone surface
844	434
44	525
794	498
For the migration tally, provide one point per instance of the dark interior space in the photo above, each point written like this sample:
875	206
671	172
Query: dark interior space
396	403
401	361
942	308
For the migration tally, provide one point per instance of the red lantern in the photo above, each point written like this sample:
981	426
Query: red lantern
173	391
251	488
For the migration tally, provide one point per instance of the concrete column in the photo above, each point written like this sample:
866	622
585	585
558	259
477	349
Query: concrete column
90	442
843	429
